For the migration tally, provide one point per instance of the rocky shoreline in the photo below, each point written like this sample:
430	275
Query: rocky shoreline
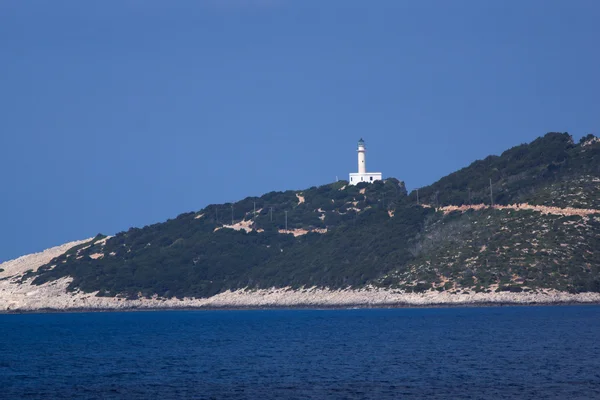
313	307
18	297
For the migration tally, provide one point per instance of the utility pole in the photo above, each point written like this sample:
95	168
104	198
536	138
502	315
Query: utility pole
286	230
491	194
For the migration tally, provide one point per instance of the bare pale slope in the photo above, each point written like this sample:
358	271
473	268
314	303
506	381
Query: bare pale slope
33	261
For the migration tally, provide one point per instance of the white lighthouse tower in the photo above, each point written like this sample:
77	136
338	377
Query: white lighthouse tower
362	175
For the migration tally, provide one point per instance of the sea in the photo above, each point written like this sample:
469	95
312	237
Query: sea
541	352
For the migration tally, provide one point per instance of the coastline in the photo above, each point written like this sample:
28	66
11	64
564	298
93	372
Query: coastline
290	308
18	298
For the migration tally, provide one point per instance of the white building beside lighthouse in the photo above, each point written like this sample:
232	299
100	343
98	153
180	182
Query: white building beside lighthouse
362	175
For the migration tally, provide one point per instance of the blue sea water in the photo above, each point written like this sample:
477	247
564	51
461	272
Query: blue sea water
445	353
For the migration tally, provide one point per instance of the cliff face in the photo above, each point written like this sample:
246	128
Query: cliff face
364	245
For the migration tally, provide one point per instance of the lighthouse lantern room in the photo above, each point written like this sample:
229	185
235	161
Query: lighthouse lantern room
362	175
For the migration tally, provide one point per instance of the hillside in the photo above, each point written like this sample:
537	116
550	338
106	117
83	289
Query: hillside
541	234
552	170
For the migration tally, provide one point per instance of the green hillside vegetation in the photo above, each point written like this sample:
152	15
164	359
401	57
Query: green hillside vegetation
504	250
533	173
370	234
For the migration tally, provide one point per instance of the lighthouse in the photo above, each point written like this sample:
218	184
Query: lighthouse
362	175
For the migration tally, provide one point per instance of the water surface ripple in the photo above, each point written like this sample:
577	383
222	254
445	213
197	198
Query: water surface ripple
447	353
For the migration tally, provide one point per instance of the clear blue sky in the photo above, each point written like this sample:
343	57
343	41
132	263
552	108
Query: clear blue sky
125	113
